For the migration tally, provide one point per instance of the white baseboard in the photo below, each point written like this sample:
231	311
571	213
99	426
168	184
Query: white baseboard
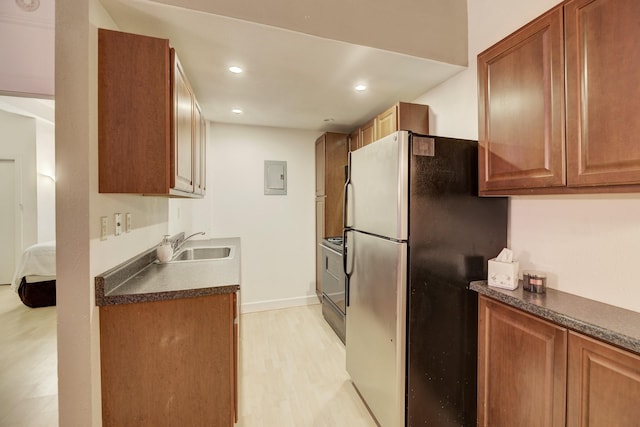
278	303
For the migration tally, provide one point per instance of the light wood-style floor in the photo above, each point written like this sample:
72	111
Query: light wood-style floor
292	372
28	363
291	369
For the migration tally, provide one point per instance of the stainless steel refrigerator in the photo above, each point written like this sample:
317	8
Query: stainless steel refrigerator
416	235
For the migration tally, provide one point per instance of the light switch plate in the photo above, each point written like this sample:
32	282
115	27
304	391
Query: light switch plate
127	222
117	223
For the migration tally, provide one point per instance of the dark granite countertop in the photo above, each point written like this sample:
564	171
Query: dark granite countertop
605	322
141	279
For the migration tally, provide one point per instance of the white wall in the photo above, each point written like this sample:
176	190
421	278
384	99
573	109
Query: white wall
81	255
18	142
36	118
46	188
587	244
277	232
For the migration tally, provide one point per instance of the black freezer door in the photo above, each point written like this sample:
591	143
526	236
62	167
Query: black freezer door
452	234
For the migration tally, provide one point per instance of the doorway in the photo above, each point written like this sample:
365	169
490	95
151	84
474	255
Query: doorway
8	227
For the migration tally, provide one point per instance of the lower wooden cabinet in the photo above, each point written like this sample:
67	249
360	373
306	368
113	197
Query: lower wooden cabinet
522	365
532	372
320	204
170	363
603	386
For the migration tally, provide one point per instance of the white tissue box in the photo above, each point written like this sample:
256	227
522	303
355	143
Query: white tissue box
503	274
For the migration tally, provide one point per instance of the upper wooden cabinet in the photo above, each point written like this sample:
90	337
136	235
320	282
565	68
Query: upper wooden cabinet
200	153
403	116
331	159
354	140
321	144
400	116
368	133
534	140
603	91
150	128
182	167
387	122
521	108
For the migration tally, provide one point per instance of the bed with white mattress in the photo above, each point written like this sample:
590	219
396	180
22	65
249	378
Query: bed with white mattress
35	277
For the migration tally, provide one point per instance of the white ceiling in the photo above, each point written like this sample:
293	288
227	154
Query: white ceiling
302	58
43	109
297	79
27	47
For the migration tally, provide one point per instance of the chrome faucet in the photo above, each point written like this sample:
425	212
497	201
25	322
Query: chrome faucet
179	242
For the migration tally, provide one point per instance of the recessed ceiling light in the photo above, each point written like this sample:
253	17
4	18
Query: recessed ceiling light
236	111
235	70
360	88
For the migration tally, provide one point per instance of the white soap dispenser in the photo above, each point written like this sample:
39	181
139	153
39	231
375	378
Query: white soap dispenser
165	250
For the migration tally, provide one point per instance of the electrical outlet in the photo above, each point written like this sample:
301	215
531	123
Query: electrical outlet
127	222
117	222
103	228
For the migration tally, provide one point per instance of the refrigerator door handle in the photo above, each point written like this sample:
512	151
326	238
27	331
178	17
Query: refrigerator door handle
345	203
345	255
345	194
345	252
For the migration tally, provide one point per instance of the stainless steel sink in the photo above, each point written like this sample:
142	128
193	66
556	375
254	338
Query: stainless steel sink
202	254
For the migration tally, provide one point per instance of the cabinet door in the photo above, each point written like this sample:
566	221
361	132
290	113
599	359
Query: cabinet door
603	91
521	108
522	365
133	143
603	384
235	360
182	147
387	122
336	154
413	117
319	237
354	140
368	133
203	154
199	155
320	164
168	363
